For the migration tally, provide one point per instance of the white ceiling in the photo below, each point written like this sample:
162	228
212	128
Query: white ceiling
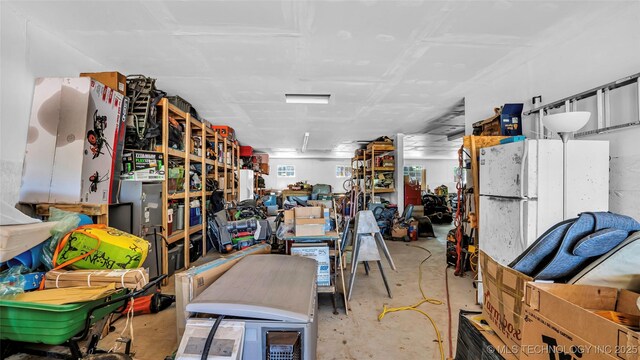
390	66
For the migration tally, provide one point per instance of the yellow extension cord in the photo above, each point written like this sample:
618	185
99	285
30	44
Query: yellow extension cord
425	299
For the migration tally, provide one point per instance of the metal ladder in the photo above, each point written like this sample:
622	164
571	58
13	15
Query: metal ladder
603	102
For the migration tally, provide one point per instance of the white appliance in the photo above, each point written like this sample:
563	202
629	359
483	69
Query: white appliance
521	191
274	297
245	184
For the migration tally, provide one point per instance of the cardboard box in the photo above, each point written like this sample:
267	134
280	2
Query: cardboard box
289	217
503	294
192	282
74	142
142	166
320	253
309	230
309	221
112	79
264	168
312	212
398	232
560	323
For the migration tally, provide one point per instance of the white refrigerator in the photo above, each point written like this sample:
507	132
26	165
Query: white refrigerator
521	190
245	185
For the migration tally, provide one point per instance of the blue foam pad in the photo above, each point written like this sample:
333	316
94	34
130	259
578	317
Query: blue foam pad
565	264
599	243
546	245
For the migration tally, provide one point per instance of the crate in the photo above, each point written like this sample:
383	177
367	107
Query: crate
181	103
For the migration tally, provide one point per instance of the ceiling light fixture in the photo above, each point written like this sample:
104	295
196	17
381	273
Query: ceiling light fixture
305	141
307	98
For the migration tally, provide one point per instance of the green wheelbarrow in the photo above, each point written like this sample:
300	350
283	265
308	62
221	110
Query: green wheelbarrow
24	324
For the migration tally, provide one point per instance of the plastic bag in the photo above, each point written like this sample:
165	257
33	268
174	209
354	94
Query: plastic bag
67	221
11	280
283	229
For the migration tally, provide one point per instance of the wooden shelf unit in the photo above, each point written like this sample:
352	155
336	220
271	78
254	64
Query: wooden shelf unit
374	149
192	127
230	169
211	169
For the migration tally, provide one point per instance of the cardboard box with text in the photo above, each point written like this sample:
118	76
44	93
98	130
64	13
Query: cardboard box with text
560	323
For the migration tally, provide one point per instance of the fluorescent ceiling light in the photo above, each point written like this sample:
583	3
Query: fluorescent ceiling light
305	141
307	98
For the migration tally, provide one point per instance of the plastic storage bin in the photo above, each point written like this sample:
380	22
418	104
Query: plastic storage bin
176	259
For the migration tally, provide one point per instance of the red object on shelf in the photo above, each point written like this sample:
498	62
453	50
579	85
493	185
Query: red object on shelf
225	131
246	151
412	194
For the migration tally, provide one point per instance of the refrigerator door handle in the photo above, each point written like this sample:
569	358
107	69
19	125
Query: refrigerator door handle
525	154
521	205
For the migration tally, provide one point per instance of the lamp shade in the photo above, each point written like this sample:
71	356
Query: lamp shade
566	122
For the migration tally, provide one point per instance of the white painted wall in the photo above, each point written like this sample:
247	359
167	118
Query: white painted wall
28	52
580	59
314	171
439	171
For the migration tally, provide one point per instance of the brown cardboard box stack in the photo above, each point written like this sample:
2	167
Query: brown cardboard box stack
542	321
309	221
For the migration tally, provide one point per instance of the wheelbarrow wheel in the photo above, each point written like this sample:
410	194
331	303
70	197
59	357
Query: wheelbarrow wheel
7	348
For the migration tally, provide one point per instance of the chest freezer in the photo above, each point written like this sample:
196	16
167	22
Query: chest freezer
274	297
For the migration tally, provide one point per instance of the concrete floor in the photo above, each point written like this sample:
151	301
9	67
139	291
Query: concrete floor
400	335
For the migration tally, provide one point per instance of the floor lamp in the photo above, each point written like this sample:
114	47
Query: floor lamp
565	124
